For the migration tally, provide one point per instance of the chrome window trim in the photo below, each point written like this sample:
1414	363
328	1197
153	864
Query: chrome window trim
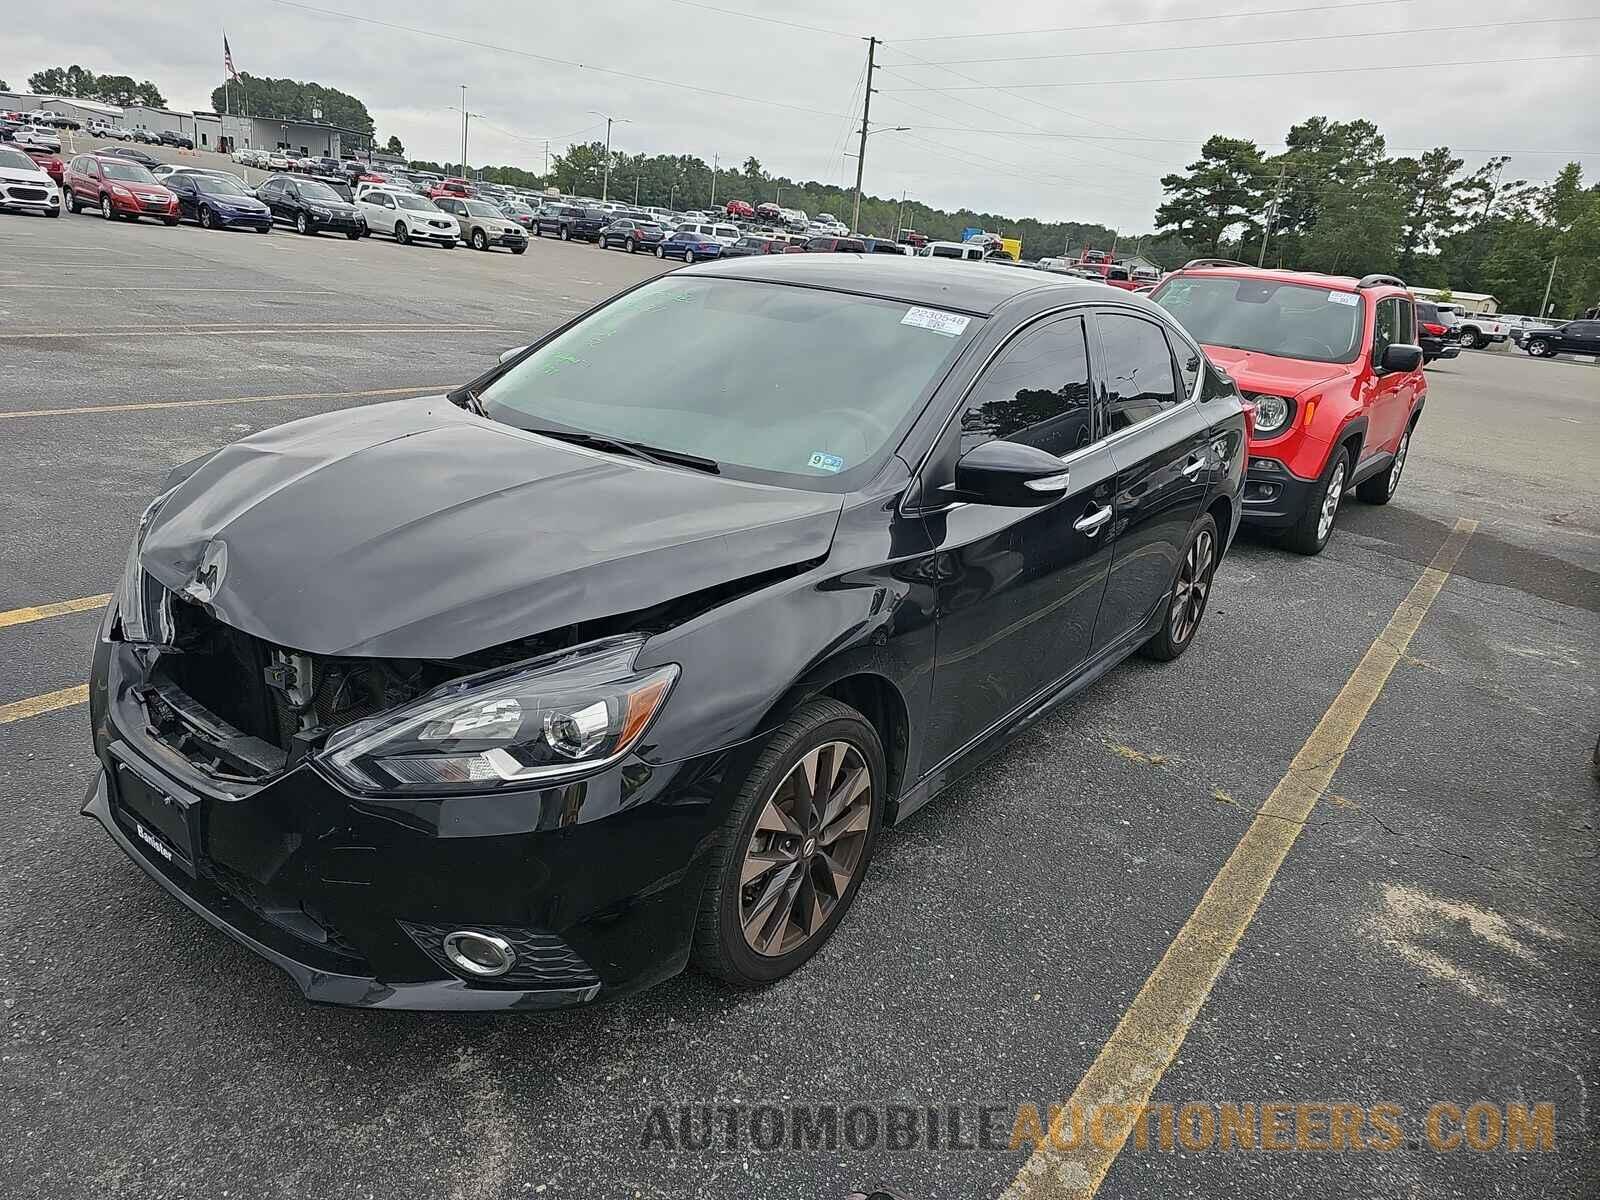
1159	319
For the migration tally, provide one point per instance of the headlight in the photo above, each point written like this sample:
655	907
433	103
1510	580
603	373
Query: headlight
1272	412
513	728
140	600
320	212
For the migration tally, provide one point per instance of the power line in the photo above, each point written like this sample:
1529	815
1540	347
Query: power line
1388	67
1260	12
1329	37
730	12
560	62
1197	140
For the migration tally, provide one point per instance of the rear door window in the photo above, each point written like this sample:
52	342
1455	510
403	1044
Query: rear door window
1136	369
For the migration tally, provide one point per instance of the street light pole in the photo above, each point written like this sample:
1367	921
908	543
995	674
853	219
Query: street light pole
463	131
899	216
715	159
1544	305
605	183
636	191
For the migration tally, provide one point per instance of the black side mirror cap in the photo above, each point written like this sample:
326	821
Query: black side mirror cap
1010	474
1400	357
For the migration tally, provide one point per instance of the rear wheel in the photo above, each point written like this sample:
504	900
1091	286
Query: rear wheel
1380	489
688	256
1469	339
629	246
566	234
1311	532
786	865
1190	591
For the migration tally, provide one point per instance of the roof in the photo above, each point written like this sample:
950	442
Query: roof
1342	283
972	287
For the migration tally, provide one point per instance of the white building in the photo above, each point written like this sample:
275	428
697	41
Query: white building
1474	302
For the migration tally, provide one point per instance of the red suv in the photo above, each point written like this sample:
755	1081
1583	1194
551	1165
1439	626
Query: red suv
1334	370
117	188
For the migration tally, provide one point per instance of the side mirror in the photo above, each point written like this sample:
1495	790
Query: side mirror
1010	474
508	355
1400	357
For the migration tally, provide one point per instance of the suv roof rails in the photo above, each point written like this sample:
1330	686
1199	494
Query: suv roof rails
1211	262
1367	281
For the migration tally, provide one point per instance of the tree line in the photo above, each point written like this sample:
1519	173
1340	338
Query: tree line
80	83
1334	200
291	100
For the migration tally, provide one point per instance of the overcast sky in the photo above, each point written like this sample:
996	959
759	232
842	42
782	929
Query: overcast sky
791	93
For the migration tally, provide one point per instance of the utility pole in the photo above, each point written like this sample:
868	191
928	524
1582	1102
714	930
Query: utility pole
1544	305
547	162
463	131
866	110
899	216
636	191
1272	216
715	159
605	183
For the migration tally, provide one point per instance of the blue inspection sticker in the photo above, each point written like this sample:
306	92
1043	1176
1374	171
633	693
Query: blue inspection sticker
826	462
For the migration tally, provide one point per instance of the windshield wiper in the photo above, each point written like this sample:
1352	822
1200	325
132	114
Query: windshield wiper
473	403
654	454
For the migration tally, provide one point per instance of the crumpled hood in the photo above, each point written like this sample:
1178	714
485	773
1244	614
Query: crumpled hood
1257	372
416	530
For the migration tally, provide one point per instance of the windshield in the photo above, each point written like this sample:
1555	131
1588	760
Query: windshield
214	185
415	203
480	209
129	171
311	190
15	160
1290	320
729	370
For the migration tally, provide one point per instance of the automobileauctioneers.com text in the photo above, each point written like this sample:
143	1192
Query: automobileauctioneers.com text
1279	1126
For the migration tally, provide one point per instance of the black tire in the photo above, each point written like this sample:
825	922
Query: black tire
566	234
1307	535
720	945
1380	489
660	253
205	217
401	233
72	203
1540	347
688	256
105	207
264	229
1468	339
537	232
1191	589
169	221
479	240
354	235
302	224
522	249
629	246
53	212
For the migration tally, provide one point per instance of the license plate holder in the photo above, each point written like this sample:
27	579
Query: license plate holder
160	824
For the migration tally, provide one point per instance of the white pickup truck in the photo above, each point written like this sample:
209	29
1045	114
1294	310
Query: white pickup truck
1480	329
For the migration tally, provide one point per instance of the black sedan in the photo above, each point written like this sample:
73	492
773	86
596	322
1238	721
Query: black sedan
311	206
632	234
217	203
610	662
133	154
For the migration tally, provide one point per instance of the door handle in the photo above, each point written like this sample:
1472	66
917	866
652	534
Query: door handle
1089	524
1194	466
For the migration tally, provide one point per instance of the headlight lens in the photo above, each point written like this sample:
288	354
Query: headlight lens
507	729
141	602
1272	412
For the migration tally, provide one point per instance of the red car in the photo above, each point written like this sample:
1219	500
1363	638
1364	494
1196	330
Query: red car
740	208
117	188
1334	371
459	188
50	163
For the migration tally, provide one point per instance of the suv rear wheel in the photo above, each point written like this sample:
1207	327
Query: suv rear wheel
787	863
1380	489
1311	532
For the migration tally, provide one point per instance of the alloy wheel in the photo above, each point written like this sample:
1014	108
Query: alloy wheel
1194	586
806	849
628	245
566	235
205	217
1399	463
660	253
301	224
688	256
105	207
401	234
1330	502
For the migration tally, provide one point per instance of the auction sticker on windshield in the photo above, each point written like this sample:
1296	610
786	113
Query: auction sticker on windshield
1344	298
945	323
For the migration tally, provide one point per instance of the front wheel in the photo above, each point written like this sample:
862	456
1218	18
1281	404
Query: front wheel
786	865
479	240
629	246
566	234
105	207
1190	591
301	224
205	218
169	220
72	203
522	249
1311	532
537	231
1539	348
660	253
354	235
401	233
1380	489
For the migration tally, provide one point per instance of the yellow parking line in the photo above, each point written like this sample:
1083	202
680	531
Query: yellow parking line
38	612
1153	1028
419	390
34	706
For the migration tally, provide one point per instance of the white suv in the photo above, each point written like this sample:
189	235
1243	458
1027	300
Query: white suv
406	216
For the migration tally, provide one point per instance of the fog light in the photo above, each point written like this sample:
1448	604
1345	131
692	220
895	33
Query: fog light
1265	464
479	954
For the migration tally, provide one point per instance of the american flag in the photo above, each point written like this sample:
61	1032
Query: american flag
227	59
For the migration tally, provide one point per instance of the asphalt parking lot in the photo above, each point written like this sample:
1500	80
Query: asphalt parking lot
1430	937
